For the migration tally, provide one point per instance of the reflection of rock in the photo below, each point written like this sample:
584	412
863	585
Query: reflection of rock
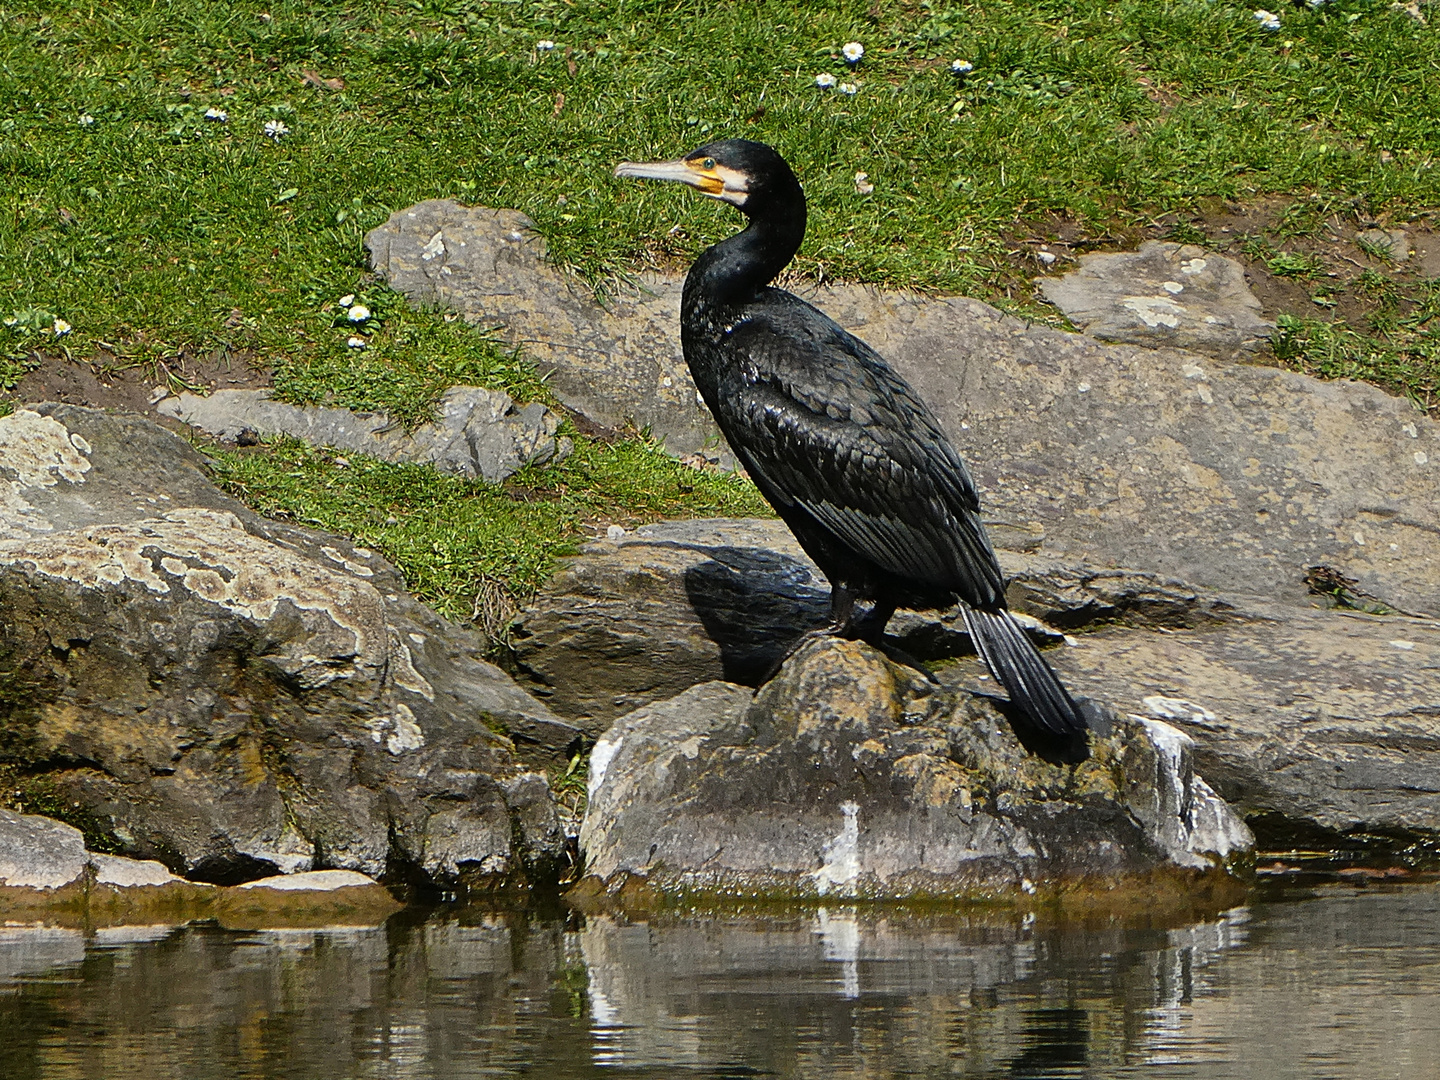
848	776
477	432
1232	477
1163	295
236	697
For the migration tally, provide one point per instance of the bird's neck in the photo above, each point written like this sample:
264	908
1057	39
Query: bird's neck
729	274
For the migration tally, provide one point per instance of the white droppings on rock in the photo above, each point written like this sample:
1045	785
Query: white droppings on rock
1083	388
840	859
1192	266
1193	371
1401	644
1359	538
600	758
1172	287
436	246
1420	457
1409	429
1168	708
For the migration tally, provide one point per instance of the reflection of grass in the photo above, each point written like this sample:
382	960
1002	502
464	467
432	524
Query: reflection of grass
1401	356
452	538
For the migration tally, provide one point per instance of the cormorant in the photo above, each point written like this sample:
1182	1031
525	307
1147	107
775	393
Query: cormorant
839	444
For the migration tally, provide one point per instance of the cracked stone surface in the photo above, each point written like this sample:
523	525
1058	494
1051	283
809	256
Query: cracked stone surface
1170	295
477	432
235	697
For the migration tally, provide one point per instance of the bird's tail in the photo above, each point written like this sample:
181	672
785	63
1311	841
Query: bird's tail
1013	660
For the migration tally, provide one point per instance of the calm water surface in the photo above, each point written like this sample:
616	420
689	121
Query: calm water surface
1345	983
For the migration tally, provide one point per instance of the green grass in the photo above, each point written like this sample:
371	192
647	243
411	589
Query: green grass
154	229
470	549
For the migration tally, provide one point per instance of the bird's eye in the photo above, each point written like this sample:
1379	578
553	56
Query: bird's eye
708	163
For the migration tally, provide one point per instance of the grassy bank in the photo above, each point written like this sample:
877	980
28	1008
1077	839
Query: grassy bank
189	178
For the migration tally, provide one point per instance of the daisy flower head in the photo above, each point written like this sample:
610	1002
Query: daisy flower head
218	115
86	120
825	81
852	51
961	67
61	328
1268	20
276	129
544	45
848	88
358	313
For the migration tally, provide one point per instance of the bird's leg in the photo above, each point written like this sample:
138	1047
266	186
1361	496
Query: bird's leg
842	624
871	628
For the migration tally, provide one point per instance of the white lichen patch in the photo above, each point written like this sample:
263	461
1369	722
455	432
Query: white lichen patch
209	553
402	669
358	569
1155	310
35	452
405	733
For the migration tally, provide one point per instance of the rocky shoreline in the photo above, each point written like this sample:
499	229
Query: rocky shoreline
223	700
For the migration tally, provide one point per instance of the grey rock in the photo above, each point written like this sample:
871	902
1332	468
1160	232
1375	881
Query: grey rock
313	881
1173	295
234	696
1230	477
846	776
617	365
640	617
38	853
129	873
1394	244
1313	722
477	432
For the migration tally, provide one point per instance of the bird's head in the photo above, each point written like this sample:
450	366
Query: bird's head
748	175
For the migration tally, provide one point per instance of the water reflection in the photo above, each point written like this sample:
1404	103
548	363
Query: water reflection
1344	985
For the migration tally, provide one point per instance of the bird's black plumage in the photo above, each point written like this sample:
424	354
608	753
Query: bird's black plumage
838	443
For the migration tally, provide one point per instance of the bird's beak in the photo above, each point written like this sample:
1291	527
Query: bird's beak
684	171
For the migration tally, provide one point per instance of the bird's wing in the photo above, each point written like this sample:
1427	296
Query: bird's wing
825	424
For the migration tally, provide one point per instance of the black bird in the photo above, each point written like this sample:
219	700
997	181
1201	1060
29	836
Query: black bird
839	444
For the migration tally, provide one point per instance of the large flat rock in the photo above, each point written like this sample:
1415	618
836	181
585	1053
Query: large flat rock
1231	477
236	697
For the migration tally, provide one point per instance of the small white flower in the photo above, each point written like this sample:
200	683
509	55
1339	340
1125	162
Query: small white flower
218	115
848	88
358	313
852	51
863	186
824	80
86	120
276	129
1268	20
61	328
1315	5
355	342
545	45
961	67
347	299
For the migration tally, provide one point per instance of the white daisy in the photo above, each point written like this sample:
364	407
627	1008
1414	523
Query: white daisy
276	129
358	313
86	120
545	45
347	299
61	328
961	67
218	115
852	51
825	80
848	88
1268	20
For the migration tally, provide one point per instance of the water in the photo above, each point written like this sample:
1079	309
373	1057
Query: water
1345	983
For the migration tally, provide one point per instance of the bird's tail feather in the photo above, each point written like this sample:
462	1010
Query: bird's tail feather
1017	665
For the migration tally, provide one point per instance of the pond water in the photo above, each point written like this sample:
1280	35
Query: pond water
1340	982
